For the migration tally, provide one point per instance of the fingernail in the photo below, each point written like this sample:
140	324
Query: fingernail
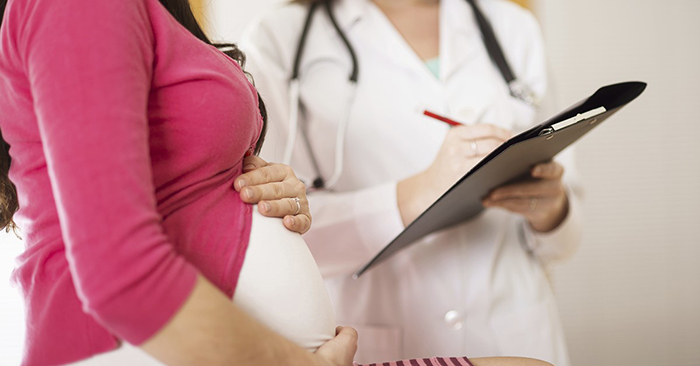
249	193
291	220
267	207
249	167
537	171
248	153
241	183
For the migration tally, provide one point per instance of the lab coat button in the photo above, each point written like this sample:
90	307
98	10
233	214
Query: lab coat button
454	319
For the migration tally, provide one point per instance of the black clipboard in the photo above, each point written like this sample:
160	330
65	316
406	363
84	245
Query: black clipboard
512	161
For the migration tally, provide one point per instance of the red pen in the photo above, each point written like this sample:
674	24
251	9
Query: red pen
441	118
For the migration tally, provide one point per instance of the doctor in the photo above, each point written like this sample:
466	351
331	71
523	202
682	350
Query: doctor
350	121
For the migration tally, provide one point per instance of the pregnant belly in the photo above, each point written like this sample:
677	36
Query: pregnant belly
281	287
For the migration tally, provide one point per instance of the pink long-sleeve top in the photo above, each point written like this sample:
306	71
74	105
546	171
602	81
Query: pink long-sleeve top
126	133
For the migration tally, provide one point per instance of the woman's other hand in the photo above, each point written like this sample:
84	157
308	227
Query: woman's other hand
276	190
339	351
541	200
464	147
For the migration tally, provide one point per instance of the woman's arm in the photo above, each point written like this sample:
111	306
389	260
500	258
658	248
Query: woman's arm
89	64
210	330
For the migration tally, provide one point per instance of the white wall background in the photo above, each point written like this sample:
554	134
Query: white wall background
228	19
11	314
631	296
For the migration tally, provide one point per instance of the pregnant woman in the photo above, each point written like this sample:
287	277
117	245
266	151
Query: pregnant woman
126	129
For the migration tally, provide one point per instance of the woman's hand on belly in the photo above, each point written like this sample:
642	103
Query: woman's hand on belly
276	190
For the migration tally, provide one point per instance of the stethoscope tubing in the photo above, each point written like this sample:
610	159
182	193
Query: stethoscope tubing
517	89
295	96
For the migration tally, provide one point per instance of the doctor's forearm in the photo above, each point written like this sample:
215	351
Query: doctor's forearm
351	227
413	196
551	221
562	242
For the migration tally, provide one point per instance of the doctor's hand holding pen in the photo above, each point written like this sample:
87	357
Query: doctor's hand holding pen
541	198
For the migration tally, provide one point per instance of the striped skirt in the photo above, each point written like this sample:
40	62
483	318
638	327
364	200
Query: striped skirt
435	361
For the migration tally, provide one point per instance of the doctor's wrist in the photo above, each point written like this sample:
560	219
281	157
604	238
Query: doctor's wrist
414	195
552	219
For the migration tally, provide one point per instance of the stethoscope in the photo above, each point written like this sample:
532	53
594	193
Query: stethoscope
517	89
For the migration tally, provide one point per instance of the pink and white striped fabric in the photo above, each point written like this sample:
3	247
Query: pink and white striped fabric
435	361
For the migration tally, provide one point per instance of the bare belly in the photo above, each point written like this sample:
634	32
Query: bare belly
281	287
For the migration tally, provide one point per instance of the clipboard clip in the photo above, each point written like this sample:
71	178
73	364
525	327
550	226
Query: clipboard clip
572	121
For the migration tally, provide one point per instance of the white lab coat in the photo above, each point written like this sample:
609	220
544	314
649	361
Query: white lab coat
477	289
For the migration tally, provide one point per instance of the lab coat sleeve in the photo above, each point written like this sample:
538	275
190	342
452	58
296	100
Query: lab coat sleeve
348	228
352	227
562	242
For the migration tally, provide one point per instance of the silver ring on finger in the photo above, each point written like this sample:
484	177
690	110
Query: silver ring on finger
298	202
533	204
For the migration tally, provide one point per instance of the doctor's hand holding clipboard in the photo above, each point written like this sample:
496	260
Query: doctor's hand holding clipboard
346	83
541	199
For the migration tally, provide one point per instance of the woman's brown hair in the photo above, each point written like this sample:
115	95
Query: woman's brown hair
181	11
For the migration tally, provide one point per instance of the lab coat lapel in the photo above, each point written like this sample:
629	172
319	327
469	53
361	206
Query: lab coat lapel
459	37
349	12
465	67
378	33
